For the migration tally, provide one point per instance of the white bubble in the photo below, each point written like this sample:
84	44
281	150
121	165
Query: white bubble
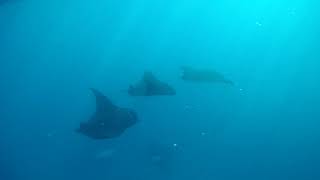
175	145
258	23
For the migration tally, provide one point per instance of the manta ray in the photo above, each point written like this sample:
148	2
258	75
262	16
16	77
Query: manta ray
203	75
149	85
109	121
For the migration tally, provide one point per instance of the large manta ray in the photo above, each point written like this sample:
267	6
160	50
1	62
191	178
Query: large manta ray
149	85
203	75
109	120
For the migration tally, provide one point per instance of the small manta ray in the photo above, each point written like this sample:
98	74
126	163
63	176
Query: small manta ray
149	85
203	75
109	121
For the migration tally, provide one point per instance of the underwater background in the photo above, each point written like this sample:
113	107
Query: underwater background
266	126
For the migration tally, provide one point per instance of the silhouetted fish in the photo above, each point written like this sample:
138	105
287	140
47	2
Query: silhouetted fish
109	120
149	85
203	75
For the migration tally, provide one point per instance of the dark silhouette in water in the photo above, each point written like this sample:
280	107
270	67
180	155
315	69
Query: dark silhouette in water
109	120
149	85
203	75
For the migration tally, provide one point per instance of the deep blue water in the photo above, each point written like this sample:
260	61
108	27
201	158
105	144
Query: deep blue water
265	127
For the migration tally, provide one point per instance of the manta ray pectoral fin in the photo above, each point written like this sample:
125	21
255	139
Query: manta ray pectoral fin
102	102
148	77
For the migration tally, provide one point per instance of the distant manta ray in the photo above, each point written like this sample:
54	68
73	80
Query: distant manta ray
149	85
203	75
109	121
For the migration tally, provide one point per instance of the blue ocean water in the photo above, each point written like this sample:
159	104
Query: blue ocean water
266	126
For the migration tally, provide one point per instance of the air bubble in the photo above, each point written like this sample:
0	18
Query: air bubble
175	145
258	24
